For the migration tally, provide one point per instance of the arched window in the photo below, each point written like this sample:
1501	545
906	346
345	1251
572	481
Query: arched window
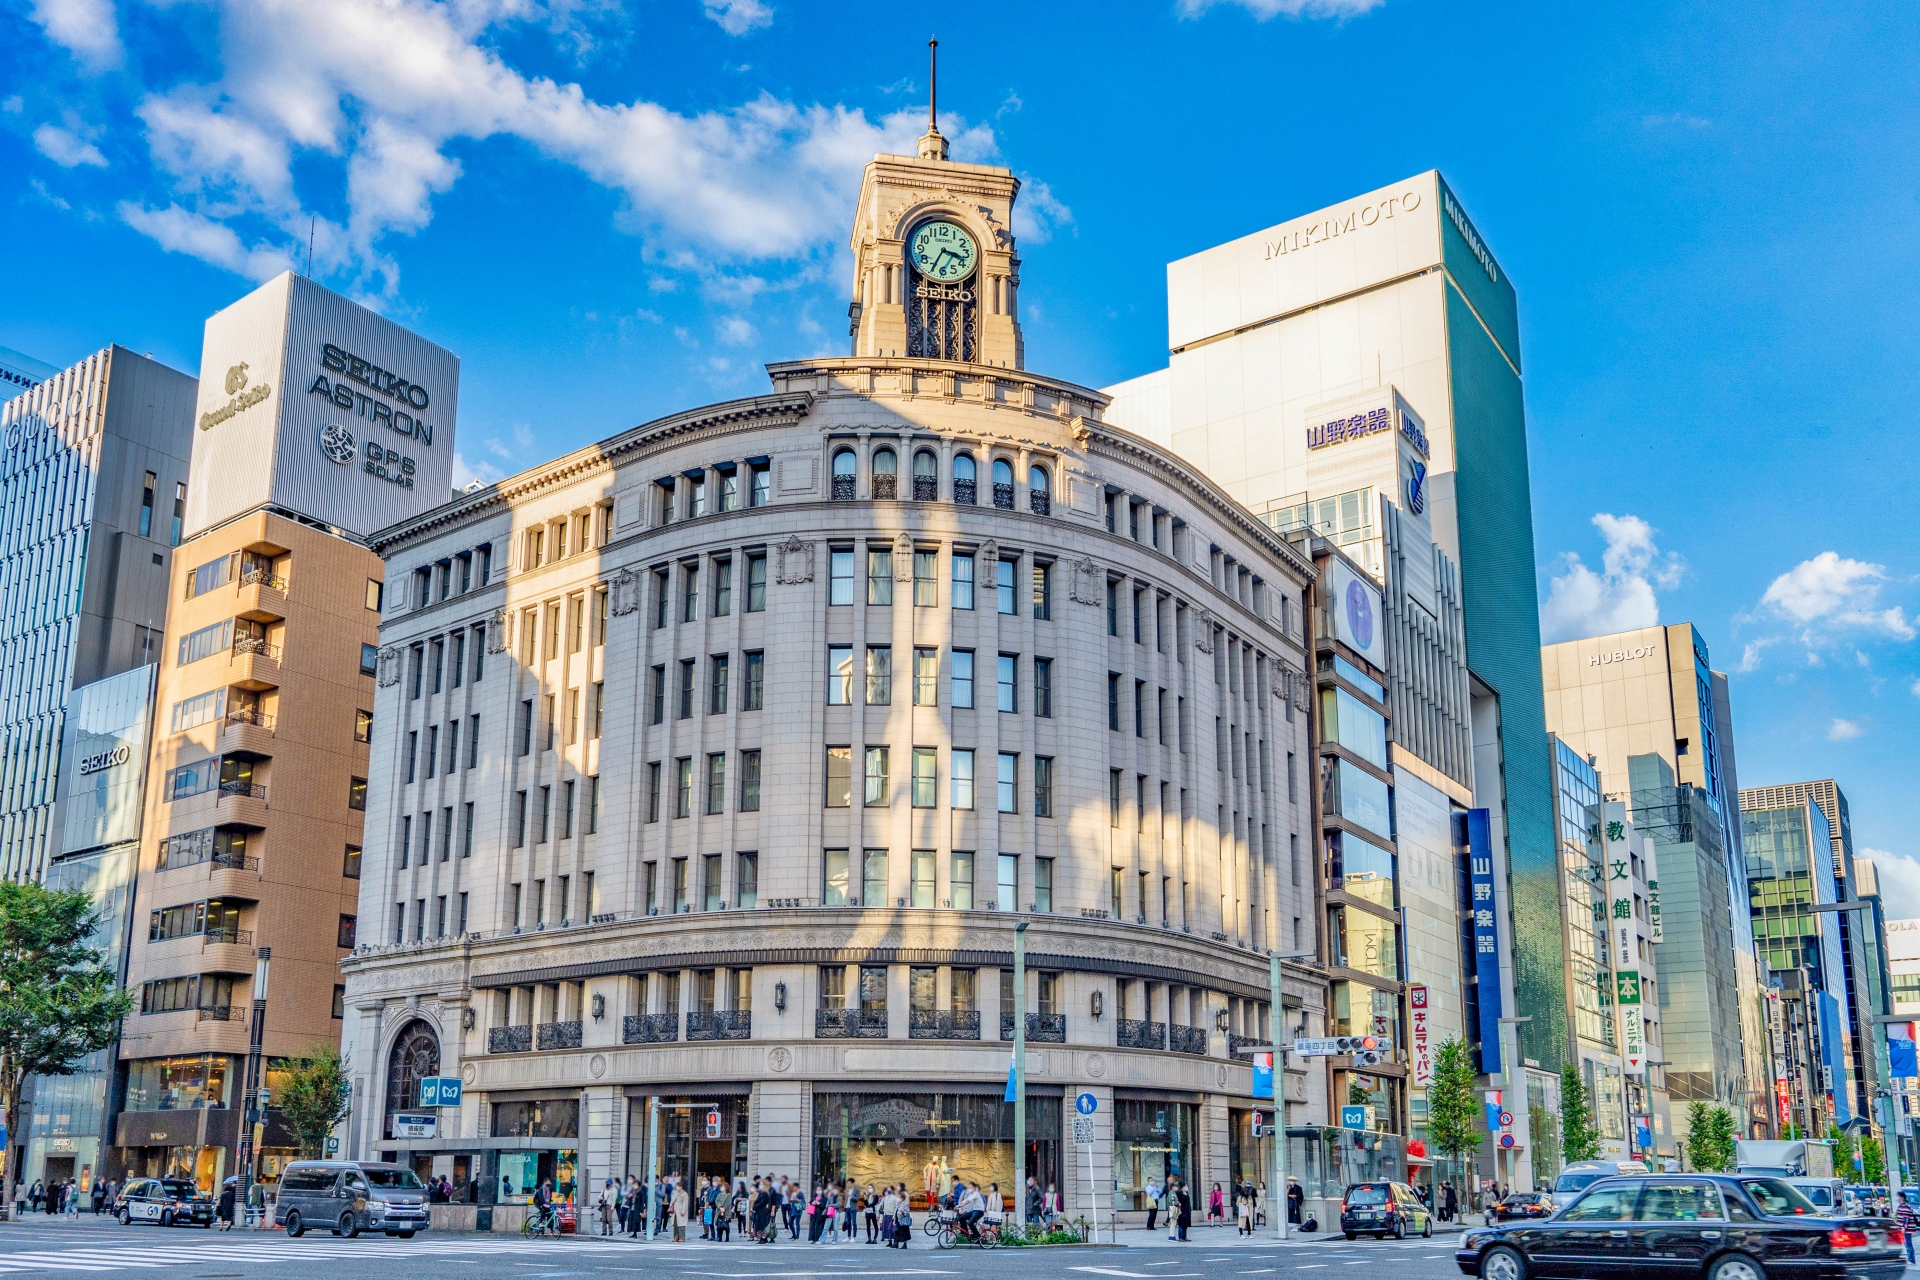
926	476
415	1057
1039	491
845	467
886	469
1003	484
964	477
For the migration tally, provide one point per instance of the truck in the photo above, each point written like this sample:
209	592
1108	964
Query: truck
1800	1158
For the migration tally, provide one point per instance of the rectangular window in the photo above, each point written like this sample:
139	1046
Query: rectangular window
576	623
926	677
432	756
926	588
214	573
369	660
519	819
746	891
960	761
523	732
717	685
963	580
689	592
679	885
456	658
960	883
925	877
717	782
190	713
756	690
757	583
1043	688
657	693
729	490
179	510
1008	781
873	881
879	577
1139	708
343	937
1113	607
760	491
550	719
686	689
357	794
566	812
833	893
926	783
1009	676
593	808
1007	897
683	787
712	887
839	777
1139	635
662	598
1113	798
1113	701
146	505
1043	592
879	676
466	831
839	675
962	678
1043	887
406	842
750	781
722	588
1008	575
600	604
876	774
840	577
596	709
546	815
1043	786
479	653
351	867
653	791
205	642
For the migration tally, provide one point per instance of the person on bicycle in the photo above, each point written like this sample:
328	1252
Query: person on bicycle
972	1208
544	1215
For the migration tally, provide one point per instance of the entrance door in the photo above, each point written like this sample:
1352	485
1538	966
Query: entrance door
59	1169
713	1158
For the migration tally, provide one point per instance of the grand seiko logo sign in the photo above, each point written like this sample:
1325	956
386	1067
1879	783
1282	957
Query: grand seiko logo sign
114	755
409	398
243	397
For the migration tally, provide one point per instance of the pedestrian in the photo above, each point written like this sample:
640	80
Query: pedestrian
816	1214
1050	1206
99	1195
609	1196
1245	1210
850	1217
1033	1200
889	1205
1216	1206
1296	1199
1153	1200
35	1196
1186	1210
682	1208
1909	1220
870	1209
223	1210
994	1206
903	1219
1171	1193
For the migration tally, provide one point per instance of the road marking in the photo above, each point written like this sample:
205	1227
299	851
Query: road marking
1139	1275
1312	1266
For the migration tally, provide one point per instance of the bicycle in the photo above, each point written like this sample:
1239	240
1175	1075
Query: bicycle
539	1223
985	1235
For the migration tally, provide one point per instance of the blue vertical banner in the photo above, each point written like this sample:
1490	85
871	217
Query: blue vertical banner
1486	937
1263	1074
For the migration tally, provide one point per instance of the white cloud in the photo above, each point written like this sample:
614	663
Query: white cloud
1899	877
66	148
1263	10
1679	118
85	28
182	231
1830	593
1845	730
466	473
737	17
1621	597
736	331
385	90
1037	214
1914	688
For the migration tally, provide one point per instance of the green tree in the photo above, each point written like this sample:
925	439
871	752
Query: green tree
58	999
315	1096
1452	1110
1579	1136
1873	1161
1710	1137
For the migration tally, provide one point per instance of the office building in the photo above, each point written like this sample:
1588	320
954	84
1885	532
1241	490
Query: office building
21	372
319	421
1655	719
780	721
92	481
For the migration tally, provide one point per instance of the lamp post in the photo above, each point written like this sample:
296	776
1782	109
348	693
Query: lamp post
1276	1022
255	1108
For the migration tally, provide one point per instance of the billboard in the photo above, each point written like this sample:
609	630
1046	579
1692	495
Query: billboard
1354	612
106	762
1486	937
311	402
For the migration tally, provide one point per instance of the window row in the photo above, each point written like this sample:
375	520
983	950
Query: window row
436	759
238	635
843	582
442	662
563	627
679	896
242	569
876	787
875	679
575	533
424	851
537	806
541	908
683	697
452	575
684	605
883	479
860	877
712	795
558	719
719	488
449	917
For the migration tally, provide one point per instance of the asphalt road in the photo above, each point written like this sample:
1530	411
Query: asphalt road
40	1248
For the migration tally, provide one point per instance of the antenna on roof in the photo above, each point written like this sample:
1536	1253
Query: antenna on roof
312	221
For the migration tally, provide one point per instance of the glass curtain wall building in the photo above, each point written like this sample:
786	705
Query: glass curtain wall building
92	483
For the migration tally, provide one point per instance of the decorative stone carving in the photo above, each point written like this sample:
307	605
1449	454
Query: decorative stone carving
497	632
389	667
1086	581
1096	1065
623	593
796	560
469	1073
780	1058
1203	631
1078	426
597	1065
1220	1077
903	558
987	564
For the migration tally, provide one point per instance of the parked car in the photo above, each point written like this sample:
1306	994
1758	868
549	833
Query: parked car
1523	1204
1384	1209
171	1202
1828	1195
1581	1174
348	1197
1687	1227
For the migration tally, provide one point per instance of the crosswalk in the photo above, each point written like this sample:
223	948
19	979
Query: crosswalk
268	1248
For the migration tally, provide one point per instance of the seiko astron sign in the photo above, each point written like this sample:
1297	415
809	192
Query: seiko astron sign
313	403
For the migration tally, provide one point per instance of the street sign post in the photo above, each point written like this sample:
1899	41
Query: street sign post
1084	1106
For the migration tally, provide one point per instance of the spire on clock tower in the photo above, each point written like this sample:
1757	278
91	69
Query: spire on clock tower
936	275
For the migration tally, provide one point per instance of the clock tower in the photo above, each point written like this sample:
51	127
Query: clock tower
935	272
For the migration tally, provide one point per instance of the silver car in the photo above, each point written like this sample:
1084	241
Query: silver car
1581	1174
348	1197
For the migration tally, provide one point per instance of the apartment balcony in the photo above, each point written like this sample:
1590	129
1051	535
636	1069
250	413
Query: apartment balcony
1042	1028
247	732
260	596
1188	1040
721	1024
557	1035
943	1024
242	802
1243	1047
1137	1033
254	664
650	1028
509	1039
849	1024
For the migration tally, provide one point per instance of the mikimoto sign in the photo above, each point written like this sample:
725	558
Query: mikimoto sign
311	402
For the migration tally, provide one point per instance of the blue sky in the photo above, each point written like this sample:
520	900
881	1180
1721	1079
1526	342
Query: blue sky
611	212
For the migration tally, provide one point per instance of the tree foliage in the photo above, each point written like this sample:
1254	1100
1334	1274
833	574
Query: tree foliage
315	1096
1710	1135
1579	1135
1452	1110
59	1001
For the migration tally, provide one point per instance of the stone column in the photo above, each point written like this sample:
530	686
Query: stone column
780	1138
603	1149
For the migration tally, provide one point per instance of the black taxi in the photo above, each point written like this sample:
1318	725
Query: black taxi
170	1202
1683	1227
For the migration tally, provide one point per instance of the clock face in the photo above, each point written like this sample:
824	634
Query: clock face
943	252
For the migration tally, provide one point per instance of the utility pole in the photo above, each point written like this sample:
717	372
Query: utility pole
653	1164
1276	1026
1020	1073
252	1100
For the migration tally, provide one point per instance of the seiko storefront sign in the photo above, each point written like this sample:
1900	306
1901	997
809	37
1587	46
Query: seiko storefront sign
408	398
115	755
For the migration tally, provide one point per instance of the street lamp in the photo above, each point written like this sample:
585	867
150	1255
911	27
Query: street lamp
1276	1020
253	1100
